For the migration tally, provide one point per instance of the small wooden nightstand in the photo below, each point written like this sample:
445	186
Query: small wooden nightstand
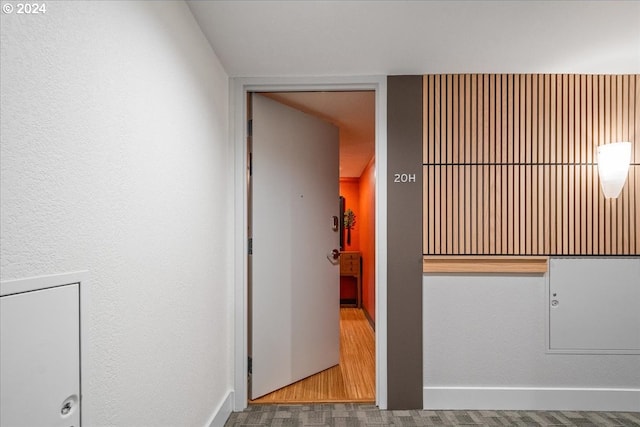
351	265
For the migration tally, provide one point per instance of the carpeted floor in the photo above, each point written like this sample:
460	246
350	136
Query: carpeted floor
349	414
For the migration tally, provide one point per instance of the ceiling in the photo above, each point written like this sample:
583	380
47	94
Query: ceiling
347	38
352	112
312	38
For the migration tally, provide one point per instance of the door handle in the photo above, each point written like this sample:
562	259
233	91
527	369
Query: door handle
334	256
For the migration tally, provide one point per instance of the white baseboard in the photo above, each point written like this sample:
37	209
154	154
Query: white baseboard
222	412
520	398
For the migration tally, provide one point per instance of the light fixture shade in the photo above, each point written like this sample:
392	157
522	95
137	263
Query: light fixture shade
613	167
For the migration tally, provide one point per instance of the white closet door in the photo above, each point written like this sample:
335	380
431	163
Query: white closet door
40	358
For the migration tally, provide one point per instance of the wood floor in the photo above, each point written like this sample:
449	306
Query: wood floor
353	380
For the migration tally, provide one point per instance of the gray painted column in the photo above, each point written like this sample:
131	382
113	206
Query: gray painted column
404	250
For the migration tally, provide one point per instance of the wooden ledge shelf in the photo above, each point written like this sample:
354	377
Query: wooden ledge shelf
485	264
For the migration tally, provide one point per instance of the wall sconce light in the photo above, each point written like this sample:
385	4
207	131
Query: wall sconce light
613	167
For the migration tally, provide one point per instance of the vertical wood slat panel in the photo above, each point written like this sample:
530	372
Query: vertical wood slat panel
553	158
427	156
440	237
585	158
480	158
511	164
531	159
614	137
448	149
546	105
635	234
608	138
596	131
468	158
564	159
578	171
635	127
623	215
634	123
437	120
455	159
496	148
504	188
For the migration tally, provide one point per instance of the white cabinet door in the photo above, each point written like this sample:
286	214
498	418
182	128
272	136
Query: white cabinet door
594	304
40	358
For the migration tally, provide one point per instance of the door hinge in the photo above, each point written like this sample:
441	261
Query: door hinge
249	379
250	246
249	128
250	164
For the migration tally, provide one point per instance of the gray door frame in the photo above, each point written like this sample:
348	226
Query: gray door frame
240	87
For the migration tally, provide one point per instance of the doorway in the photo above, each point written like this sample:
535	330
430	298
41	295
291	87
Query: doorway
353	380
352	113
241	88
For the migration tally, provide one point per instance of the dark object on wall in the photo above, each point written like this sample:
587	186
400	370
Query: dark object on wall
349	219
342	204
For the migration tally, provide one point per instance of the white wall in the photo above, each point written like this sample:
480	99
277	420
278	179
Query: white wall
485	347
115	160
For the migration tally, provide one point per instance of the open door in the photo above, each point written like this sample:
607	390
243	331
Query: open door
295	228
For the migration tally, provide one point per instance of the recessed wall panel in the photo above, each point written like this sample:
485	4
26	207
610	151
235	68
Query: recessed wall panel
593	304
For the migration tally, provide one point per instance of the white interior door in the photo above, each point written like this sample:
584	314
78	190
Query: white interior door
295	286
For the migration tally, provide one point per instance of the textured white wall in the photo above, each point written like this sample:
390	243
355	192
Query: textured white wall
115	160
489	331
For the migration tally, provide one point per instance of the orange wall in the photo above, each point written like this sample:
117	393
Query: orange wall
366	222
350	190
359	194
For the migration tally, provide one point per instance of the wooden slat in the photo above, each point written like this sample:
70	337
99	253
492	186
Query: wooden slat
448	149
522	232
583	159
497	195
634	177
485	264
608	139
634	133
553	211
486	143
502	195
488	210
492	211
541	237
437	120
494	148
427	202
570	120
455	142
438	236
427	119
455	209
598	133
590	210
